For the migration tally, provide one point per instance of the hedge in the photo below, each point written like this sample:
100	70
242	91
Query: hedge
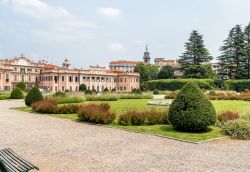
176	84
238	85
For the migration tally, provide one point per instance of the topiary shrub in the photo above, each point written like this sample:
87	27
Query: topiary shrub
21	85
59	94
33	96
156	91
106	90
191	110
16	93
239	129
82	87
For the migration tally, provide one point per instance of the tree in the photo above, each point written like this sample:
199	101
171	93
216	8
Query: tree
16	93
195	55
233	57
191	110
147	72
247	40
166	72
82	87
33	96
21	85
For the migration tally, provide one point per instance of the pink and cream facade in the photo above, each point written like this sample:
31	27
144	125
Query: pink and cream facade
54	78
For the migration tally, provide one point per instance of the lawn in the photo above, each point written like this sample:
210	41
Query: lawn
168	131
165	130
5	95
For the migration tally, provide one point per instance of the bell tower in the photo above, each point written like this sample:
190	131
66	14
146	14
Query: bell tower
66	64
146	57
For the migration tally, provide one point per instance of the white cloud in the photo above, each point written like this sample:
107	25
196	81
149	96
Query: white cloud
66	30
117	47
58	25
112	12
36	8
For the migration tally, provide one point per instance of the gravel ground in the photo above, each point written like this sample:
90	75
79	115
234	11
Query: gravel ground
55	144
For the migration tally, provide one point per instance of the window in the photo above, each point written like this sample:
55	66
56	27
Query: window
15	77
70	78
62	78
84	79
62	88
55	88
70	88
0	76
56	79
76	79
35	70
7	77
29	78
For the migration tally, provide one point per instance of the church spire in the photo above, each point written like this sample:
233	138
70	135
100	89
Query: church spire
146	56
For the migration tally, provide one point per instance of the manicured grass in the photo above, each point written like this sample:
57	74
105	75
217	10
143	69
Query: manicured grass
4	96
25	109
167	130
68	116
242	107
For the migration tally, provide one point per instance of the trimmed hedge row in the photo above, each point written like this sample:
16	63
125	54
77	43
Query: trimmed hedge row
238	85
176	84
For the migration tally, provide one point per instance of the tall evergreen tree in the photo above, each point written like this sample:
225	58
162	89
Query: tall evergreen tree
247	40
195	55
233	57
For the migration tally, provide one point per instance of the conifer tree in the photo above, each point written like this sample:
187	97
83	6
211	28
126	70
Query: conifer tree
247	40
195	55
233	56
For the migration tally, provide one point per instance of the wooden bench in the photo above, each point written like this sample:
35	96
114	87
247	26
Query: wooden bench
11	162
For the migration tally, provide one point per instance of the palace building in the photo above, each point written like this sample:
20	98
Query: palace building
55	78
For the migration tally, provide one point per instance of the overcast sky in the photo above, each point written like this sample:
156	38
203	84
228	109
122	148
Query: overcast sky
90	32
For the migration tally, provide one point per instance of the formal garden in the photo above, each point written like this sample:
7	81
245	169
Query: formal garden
196	114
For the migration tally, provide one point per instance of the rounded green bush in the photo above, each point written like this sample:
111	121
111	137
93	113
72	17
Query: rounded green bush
21	85
16	93
82	87
191	110
33	96
156	91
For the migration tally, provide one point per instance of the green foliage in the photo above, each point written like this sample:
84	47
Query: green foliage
4	95
68	99
16	93
176	84
194	57
156	91
106	90
88	92
167	72
233	59
212	93
147	72
238	85
33	96
82	87
136	91
225	86
59	94
135	96
237	129
21	85
191	110
102	98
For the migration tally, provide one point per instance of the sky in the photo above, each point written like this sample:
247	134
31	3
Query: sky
91	32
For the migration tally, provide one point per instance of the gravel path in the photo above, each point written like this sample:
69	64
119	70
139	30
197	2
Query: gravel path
55	144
